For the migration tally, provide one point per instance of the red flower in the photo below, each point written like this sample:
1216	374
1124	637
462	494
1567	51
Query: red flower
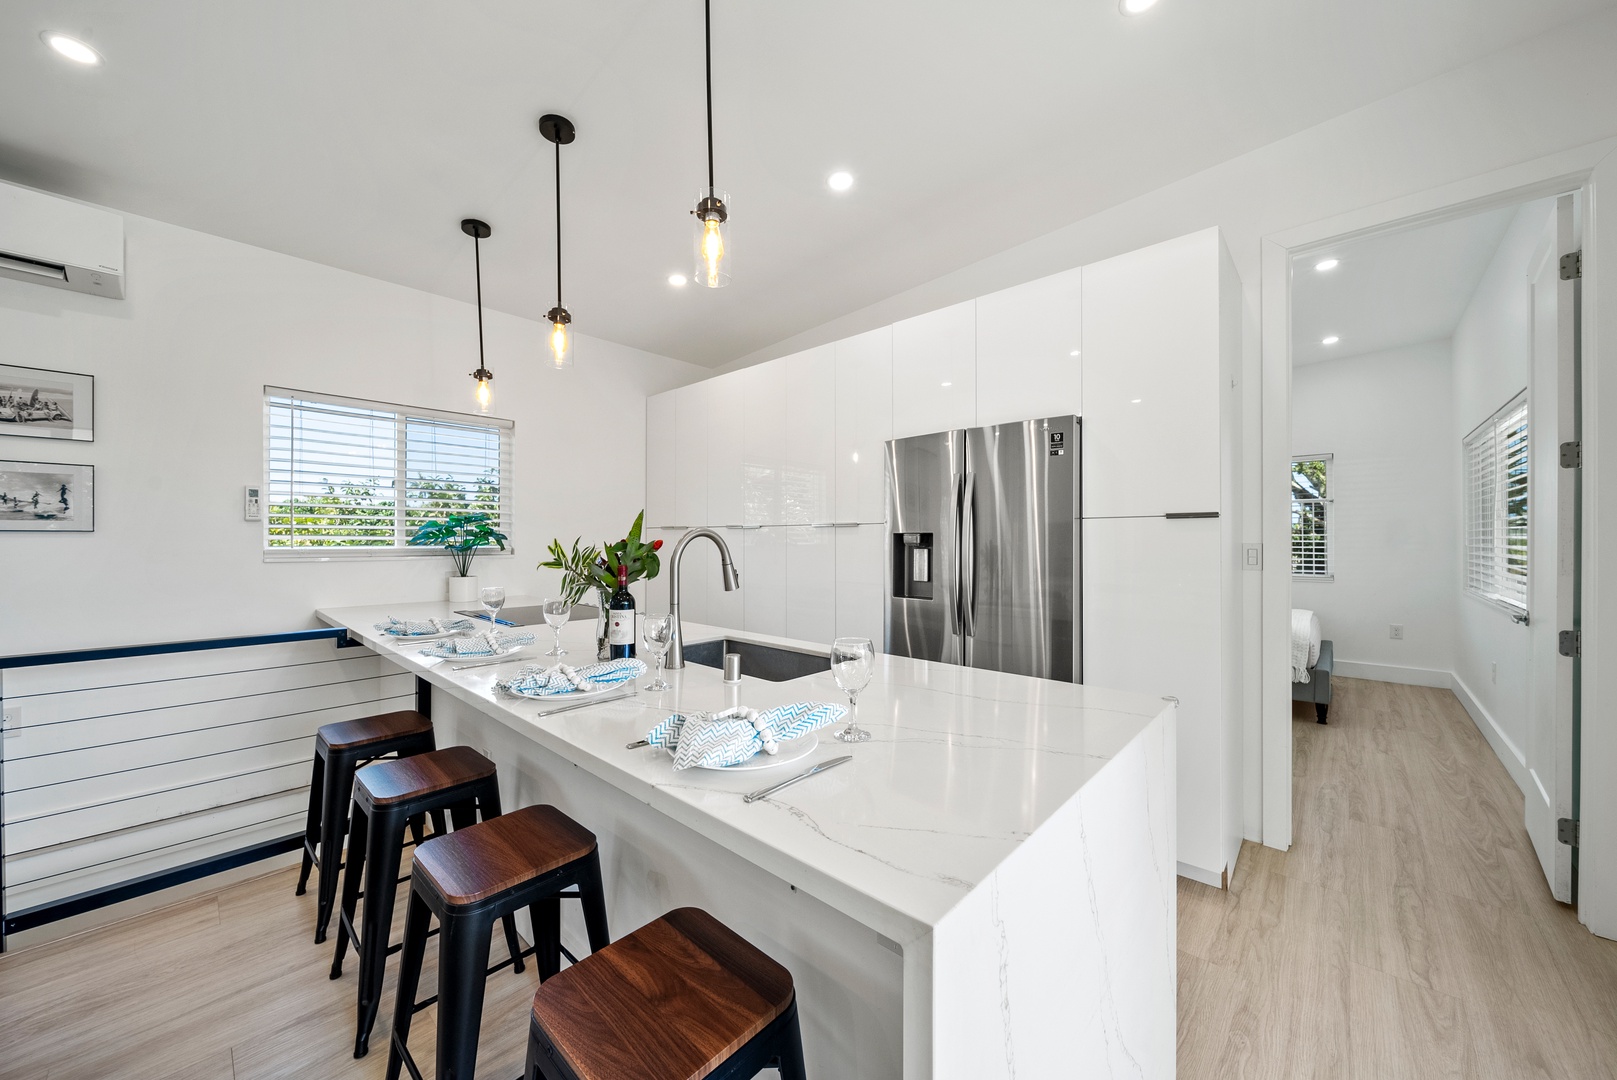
656	545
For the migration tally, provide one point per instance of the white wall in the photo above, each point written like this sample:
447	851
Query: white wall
1386	419
180	365
1492	354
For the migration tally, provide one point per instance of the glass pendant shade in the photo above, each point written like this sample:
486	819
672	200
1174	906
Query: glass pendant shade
485	388
713	253
560	343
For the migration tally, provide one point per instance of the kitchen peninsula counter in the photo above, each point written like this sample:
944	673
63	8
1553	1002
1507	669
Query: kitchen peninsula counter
986	890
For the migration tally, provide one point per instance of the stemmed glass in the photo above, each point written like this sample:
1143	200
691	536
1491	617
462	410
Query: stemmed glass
492	599
557	612
658	632
853	662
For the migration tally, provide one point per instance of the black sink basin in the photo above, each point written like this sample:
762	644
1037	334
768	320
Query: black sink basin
769	662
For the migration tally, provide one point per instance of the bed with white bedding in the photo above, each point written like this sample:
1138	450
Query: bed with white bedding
1312	658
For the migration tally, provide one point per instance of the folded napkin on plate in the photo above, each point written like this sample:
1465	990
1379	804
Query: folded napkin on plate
487	643
422	627
538	681
736	735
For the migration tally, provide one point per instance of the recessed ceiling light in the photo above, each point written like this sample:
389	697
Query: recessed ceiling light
948	384
1135	7
840	181
1327	264
1075	352
1331	340
72	48
676	280
1135	401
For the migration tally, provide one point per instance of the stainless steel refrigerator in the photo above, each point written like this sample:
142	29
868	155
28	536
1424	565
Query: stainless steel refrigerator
983	548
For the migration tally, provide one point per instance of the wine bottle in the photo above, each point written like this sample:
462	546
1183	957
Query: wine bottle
620	619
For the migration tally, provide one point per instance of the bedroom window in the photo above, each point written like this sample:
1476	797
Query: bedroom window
1496	469
1311	517
348	478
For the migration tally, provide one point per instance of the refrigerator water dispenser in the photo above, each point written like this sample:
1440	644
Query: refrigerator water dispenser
912	565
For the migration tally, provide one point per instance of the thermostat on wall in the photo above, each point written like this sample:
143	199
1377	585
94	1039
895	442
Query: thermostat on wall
249	508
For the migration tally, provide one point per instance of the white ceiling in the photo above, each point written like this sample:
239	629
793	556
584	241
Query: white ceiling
358	133
1394	289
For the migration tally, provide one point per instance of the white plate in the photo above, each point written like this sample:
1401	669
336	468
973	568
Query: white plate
571	695
794	750
405	639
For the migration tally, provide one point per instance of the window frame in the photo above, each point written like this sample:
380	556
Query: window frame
1328	503
402	415
1499	534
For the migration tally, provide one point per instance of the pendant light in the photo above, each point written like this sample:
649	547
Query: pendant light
559	130
479	231
712	205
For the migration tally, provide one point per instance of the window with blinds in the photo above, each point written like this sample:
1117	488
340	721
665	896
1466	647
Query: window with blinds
1311	517
350	477
1496	469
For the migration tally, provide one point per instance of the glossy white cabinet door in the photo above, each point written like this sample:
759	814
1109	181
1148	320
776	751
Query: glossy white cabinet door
811	583
726	609
763	450
1151	380
693	420
763	582
935	371
861	582
808	479
723	444
662	458
864	423
1028	344
1151	625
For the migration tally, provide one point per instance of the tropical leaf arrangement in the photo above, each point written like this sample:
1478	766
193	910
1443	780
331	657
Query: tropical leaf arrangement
585	568
461	535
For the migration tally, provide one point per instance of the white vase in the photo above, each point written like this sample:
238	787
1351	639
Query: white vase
462	590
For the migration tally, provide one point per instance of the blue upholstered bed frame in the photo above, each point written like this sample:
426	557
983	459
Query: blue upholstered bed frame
1318	687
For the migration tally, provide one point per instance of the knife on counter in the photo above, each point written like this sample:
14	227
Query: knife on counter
619	696
820	768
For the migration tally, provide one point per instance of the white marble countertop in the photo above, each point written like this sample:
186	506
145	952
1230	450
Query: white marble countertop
963	766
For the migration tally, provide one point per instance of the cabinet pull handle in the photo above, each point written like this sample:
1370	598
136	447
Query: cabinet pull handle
1192	514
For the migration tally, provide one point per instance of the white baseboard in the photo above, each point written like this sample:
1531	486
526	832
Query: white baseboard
1215	878
1394	673
1514	760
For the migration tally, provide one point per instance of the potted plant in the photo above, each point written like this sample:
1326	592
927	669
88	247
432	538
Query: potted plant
461	535
589	568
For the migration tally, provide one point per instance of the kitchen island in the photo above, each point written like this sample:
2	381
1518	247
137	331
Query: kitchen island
986	890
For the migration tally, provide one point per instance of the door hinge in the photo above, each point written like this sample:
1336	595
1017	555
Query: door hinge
1572	454
1571	642
1571	265
1566	831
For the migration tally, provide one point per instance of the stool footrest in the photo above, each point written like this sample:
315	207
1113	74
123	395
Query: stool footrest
427	1003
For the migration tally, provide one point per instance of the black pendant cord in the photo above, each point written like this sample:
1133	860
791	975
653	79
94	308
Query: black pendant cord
477	261
707	25
558	223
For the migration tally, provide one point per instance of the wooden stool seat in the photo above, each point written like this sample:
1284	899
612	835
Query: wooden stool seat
356	734
500	854
675	1000
389	782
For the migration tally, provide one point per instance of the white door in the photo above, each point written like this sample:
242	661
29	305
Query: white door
808	442
1552	558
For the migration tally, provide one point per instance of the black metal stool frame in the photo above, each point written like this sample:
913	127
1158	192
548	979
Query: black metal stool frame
777	1046
327	821
376	846
463	946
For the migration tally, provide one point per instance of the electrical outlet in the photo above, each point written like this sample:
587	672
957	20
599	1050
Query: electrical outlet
12	720
1396	631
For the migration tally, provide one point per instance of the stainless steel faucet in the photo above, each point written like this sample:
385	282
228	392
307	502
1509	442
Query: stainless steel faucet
732	582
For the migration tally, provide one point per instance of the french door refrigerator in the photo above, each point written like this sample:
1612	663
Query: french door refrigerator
983	548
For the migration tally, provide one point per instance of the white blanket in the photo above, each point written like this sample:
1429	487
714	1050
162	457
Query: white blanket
1305	638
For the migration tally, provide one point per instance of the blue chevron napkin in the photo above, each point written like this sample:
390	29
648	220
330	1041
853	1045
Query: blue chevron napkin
735	735
538	681
422	627
488	643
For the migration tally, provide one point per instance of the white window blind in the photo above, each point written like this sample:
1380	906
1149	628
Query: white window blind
1496	469
344	476
1311	517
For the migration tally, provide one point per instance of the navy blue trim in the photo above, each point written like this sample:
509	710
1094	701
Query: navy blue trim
78	656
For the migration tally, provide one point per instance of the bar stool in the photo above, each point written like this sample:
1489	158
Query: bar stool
387	795
340	749
681	997
468	879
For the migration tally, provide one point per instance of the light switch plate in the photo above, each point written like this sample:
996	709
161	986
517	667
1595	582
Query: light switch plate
12	720
249	504
1252	556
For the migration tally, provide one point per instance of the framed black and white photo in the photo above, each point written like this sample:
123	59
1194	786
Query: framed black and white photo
45	404
39	496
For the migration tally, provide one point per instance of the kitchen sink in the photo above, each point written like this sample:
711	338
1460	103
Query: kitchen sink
769	662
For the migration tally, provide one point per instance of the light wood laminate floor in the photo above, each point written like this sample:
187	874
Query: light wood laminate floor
1407	933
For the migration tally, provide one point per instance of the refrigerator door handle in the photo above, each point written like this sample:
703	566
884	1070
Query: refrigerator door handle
968	557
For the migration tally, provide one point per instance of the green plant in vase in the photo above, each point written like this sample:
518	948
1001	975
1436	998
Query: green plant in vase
462	536
586	568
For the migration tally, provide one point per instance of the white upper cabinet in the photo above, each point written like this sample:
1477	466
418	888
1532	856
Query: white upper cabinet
763	448
811	583
808	480
1028	341
722	445
935	371
1151	380
662	458
864	423
693	420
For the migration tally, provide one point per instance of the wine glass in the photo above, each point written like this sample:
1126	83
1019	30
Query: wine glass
658	631
853	662
493	599
557	612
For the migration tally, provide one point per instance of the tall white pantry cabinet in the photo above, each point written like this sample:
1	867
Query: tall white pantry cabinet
786	460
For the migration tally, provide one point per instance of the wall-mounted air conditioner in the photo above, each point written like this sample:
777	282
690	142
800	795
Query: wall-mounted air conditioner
52	241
